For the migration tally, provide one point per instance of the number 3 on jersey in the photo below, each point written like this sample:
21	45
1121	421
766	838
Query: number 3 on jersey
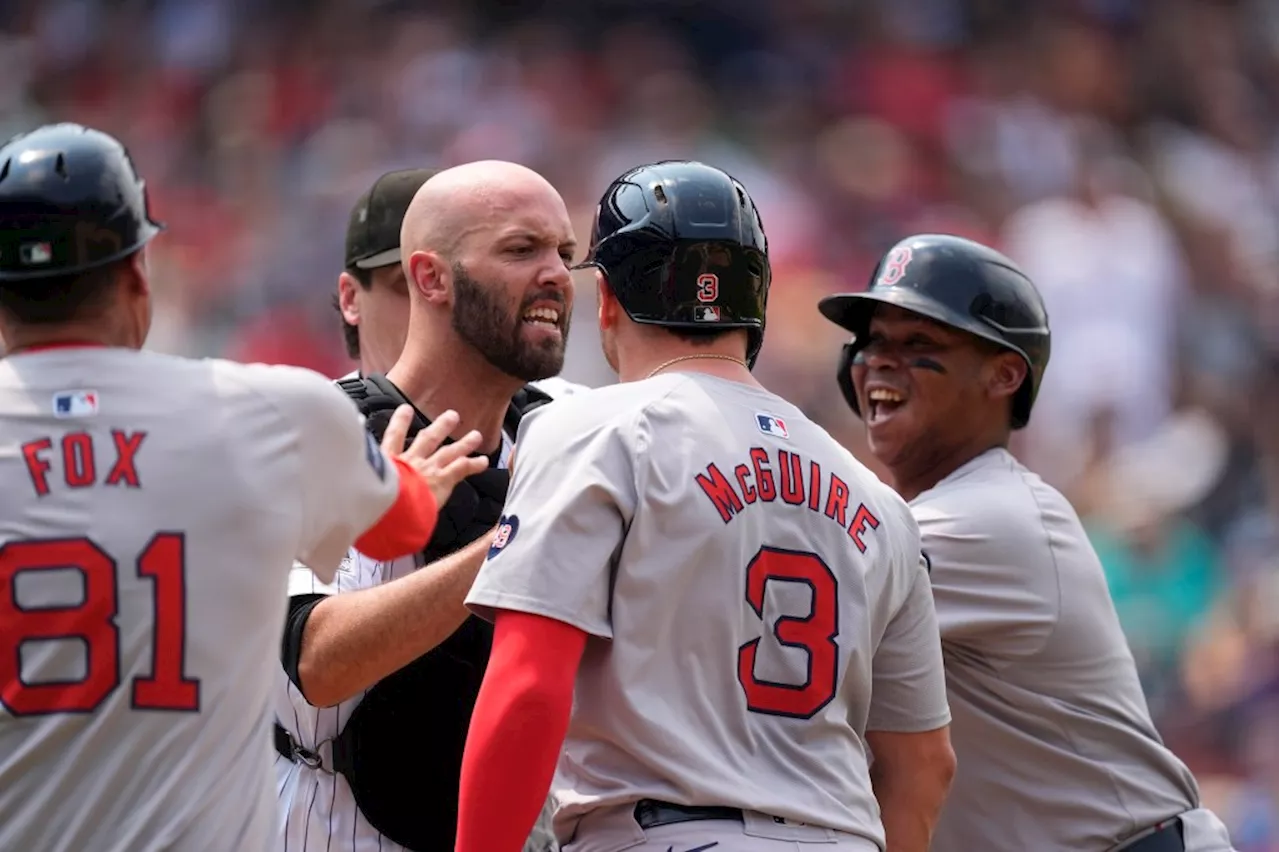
92	621
814	633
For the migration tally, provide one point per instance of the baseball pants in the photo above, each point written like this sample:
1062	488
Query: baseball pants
615	829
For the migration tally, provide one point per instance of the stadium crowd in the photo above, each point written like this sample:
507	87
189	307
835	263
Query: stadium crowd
1123	151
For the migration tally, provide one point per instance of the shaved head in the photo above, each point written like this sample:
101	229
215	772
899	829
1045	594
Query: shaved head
458	202
486	248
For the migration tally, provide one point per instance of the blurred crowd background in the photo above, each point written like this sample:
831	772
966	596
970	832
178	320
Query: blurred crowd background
1123	151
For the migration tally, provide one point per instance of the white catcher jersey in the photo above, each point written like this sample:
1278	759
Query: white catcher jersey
755	600
150	510
317	810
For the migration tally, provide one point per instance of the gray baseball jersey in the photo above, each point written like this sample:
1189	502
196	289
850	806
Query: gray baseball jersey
151	509
1055	745
754	597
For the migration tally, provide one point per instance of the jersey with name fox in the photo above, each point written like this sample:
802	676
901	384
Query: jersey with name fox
755	601
150	512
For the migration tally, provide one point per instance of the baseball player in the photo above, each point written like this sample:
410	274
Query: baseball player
734	608
381	667
373	296
150	511
1055	745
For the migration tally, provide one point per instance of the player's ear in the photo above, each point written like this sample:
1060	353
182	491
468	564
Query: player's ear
607	306
427	274
348	304
1005	374
131	276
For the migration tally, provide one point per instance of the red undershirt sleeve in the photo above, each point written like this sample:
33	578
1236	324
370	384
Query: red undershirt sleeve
517	730
407	526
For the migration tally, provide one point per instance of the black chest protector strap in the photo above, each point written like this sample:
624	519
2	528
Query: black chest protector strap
377	398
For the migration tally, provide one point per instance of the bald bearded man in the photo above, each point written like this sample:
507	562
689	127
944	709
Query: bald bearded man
382	667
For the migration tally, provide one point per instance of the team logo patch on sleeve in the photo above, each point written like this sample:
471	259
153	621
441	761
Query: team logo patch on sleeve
508	525
373	453
81	403
771	425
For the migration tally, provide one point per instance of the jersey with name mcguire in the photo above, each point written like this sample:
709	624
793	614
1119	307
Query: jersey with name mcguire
754	597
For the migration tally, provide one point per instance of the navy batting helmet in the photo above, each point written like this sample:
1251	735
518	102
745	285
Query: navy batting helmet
70	200
959	283
682	246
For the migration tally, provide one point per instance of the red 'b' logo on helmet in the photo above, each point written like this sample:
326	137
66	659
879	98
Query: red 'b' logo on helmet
895	266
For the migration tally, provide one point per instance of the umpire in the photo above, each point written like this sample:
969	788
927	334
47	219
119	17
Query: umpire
373	298
381	668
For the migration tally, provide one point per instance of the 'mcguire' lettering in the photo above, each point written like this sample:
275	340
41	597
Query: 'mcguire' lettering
797	483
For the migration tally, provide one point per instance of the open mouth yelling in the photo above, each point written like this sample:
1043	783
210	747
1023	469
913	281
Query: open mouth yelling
882	404
543	318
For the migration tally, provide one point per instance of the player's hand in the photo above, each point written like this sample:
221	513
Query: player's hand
442	467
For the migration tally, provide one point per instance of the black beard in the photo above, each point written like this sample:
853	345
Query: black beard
482	321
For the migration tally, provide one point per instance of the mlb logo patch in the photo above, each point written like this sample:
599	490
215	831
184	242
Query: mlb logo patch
771	425
706	313
508	526
35	254
75	404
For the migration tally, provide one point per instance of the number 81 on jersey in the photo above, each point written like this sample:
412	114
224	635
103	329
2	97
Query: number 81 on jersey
92	621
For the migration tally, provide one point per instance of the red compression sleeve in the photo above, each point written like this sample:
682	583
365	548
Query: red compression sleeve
407	526
517	729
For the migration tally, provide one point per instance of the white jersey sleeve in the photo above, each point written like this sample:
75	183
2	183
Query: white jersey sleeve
356	571
572	495
347	481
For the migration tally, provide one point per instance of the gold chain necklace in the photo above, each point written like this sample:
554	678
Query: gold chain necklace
708	355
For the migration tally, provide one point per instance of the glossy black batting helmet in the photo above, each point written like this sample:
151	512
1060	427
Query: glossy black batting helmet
959	283
70	200
682	246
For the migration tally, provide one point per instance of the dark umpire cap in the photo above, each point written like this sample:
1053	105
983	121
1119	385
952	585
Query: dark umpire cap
373	233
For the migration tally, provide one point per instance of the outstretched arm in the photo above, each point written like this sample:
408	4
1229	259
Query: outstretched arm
351	641
517	730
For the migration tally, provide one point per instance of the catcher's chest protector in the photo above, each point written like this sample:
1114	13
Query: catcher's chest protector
414	723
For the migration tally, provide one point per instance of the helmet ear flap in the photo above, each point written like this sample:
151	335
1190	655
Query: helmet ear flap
844	378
